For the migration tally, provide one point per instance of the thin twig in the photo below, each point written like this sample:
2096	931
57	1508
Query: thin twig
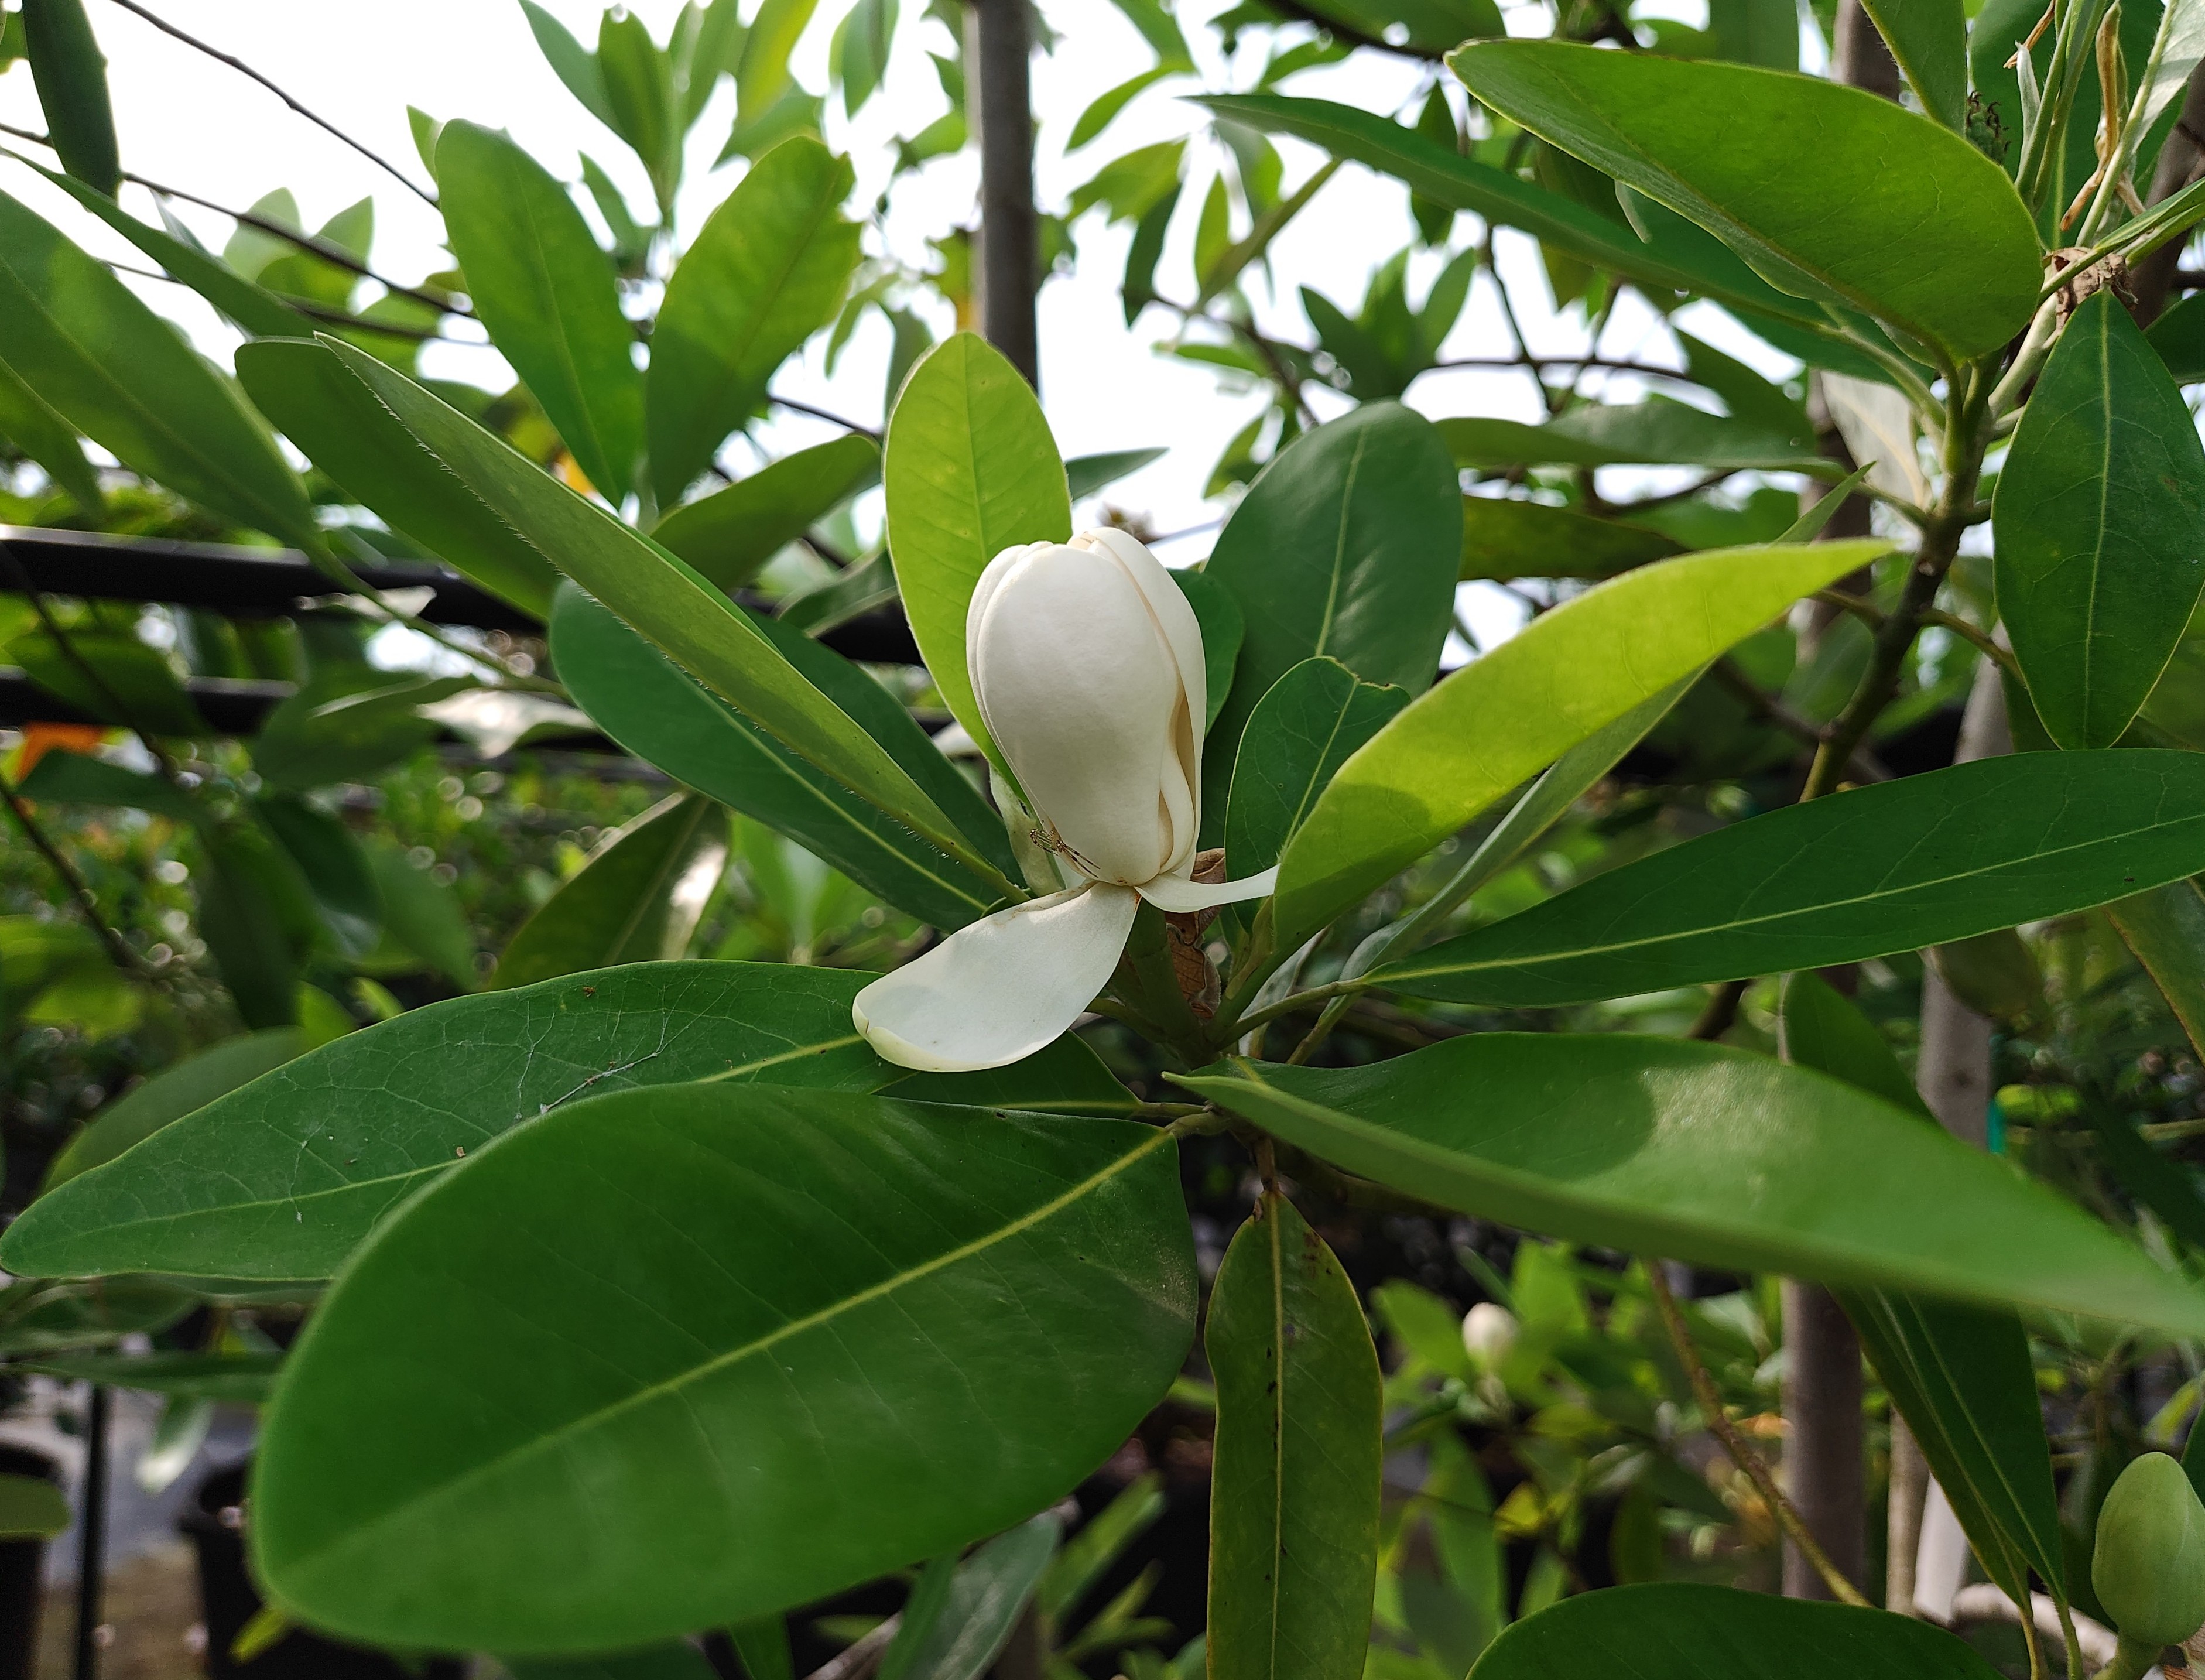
861	1658
1721	1013
247	70
832	419
1751	1463
1871	615
118	949
1864	765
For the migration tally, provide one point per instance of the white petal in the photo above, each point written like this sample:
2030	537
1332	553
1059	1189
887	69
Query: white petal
998	991
1177	894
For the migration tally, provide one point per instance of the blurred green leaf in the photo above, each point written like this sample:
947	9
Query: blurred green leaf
573	63
71	74
730	533
32	1508
422	917
2166	929
862	42
983	1596
1104	109
334	866
175	1091
235	1378
761	79
26	422
638	82
1656	433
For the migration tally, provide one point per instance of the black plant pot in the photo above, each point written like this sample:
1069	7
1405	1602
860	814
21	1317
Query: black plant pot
22	1568
215	1525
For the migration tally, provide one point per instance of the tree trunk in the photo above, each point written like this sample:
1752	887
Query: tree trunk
1910	1490
2181	161
999	41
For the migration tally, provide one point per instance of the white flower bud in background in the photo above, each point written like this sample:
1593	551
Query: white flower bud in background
1086	662
1489	1332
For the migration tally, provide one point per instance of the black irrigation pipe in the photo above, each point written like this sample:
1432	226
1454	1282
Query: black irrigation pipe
91	1532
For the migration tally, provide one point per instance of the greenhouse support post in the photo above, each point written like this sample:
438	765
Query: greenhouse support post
999	42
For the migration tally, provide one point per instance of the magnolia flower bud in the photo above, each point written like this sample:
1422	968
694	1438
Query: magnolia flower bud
1489	1332
1086	662
2150	1565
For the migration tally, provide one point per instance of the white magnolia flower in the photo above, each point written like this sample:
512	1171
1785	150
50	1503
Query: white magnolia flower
1087	664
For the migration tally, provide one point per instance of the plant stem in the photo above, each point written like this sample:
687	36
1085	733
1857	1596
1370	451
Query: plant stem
1747	1460
117	948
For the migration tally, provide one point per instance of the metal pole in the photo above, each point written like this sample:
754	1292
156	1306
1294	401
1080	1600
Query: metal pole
92	1533
998	43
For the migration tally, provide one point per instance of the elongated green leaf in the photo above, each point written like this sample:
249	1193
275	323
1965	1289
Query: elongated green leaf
638	900
1087	474
1676	1630
236	1379
1828	192
766	272
639	83
1217	614
971	470
333	865
347	432
1708	1154
1921	860
730	533
663	598
656	711
282	1178
2100	523
422	917
1293	1509
573	63
1505	537
1504	717
1298	737
1929	40
1024	1294
1347	546
173	1093
109	365
32	1508
2166	929
245	889
1654	432
548	295
34	428
71	74
985	1596
1697	265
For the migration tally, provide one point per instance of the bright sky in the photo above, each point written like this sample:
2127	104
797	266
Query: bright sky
192	123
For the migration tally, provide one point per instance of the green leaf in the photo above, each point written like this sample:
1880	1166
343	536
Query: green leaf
71	75
423	916
173	1093
861	54
656	711
766	272
1507	716
334	866
728	535
1067	1078
1929	40
2166	929
573	63
1103	108
1299	734
985	1596
244	885
236	1379
347	432
638	900
26	422
1085	475
1293	1509
1829	193
1921	860
2100	527
282	1178
548	296
1756	32
1422	26
1217	614
113	675
334	729
970	471
639	83
1703	1153
761	77
1651	434
1024	1293
1675	1630
1346	546
658	595
2178	335
109	365
1503	537
32	1508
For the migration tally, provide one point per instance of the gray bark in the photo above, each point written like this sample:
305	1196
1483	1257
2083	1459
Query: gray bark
1824	1474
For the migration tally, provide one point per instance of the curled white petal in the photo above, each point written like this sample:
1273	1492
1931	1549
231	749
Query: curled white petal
1178	894
998	991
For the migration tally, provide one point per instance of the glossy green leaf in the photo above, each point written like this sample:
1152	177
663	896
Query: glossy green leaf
342	427
1891	867
638	899
1224	629
971	470
985	1598
109	365
32	1508
1293	1507
1299	734
1024	1293
765	272
1504	717
659	714
236	1379
1676	1630
1928	39
70	73
1346	546
38	431
1961	1376
1067	1077
282	1178
548	296
1703	1153
175	1091
2166	929
729	535
666	600
1656	433
2100	526
1505	537
422	915
1829	193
